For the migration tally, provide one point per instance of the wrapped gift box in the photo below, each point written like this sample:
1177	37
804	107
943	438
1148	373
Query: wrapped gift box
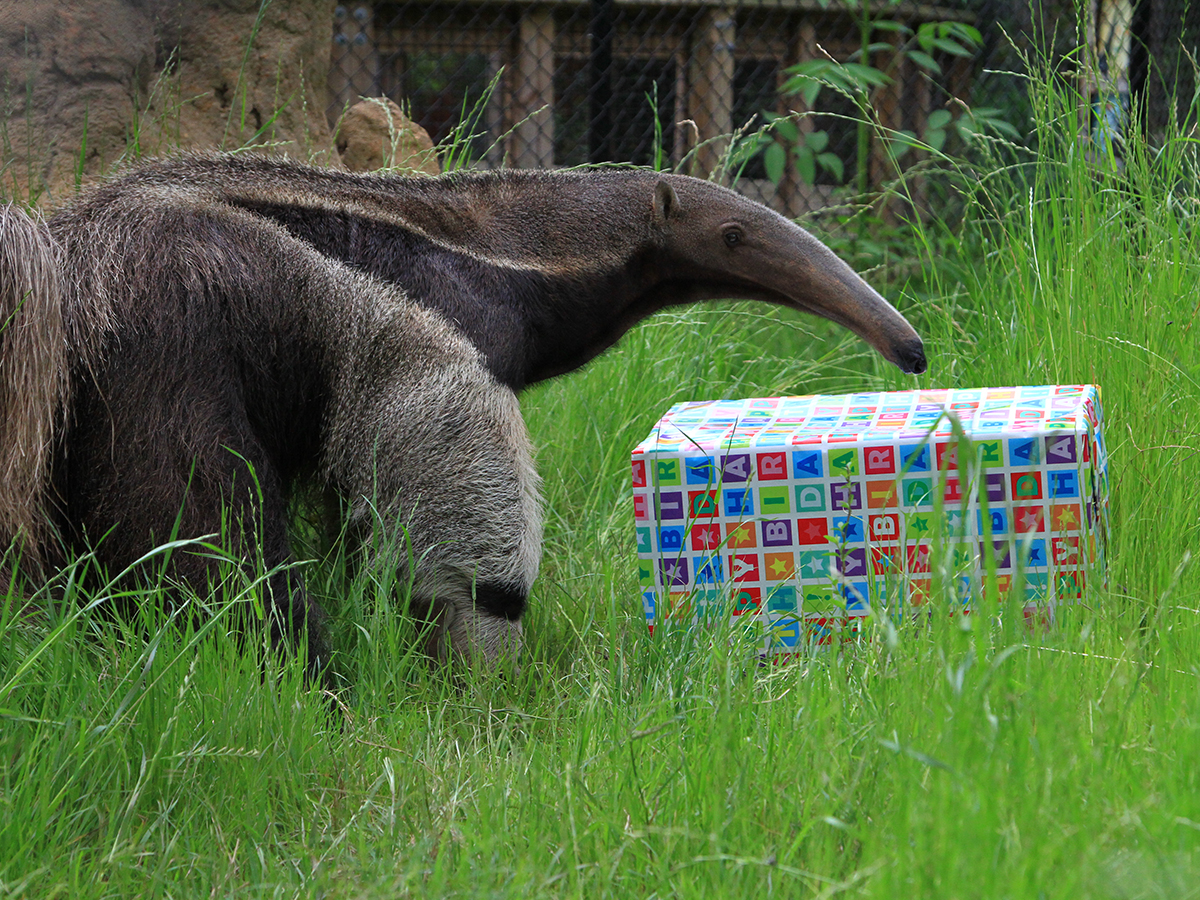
801	514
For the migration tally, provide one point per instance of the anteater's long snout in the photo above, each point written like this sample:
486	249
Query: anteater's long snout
851	302
817	281
877	322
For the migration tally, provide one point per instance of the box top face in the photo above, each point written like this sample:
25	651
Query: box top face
873	417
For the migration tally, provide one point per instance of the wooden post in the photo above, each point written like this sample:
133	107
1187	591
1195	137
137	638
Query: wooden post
794	195
887	107
533	91
1114	45
920	95
710	88
684	135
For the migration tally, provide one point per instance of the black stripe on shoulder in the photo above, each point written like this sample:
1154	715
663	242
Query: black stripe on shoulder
501	600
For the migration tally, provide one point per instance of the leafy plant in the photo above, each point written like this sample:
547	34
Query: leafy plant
885	43
809	150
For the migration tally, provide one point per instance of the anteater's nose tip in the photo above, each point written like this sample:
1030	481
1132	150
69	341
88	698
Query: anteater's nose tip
911	358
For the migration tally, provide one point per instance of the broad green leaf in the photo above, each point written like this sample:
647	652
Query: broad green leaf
811	68
900	143
1007	128
939	118
991	117
866	75
924	60
959	31
935	137
966	129
774	159
786	129
968	34
986	118
832	163
925	36
952	47
794	85
817	141
806	165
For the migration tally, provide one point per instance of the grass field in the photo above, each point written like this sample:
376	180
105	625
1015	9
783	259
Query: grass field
965	758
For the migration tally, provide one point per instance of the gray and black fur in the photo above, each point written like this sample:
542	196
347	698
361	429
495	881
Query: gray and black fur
190	342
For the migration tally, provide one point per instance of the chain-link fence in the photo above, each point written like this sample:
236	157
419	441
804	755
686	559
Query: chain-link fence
668	82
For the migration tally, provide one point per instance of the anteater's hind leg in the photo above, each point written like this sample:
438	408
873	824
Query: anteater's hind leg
183	462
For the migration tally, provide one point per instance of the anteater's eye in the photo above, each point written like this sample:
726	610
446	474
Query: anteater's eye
733	237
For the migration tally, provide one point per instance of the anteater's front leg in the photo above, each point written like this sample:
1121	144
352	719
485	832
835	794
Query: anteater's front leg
460	625
435	459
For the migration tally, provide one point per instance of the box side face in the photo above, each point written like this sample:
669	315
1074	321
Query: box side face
806	512
1094	478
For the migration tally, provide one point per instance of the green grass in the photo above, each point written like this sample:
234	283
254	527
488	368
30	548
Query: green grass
966	758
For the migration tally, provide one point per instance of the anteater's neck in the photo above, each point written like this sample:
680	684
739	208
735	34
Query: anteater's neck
538	291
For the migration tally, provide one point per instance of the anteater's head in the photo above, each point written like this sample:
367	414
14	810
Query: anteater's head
717	244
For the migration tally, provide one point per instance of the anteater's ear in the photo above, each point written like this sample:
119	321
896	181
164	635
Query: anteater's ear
666	203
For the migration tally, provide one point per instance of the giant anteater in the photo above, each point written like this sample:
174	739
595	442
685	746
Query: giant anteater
188	342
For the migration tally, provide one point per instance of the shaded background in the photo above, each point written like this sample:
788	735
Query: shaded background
660	82
90	86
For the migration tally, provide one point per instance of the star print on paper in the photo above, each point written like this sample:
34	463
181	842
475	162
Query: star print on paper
1029	519
1066	517
814	529
780	566
814	564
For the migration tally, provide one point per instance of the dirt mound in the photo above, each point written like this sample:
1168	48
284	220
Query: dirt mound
375	134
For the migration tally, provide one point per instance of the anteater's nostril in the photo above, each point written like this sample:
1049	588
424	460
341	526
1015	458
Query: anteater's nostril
911	357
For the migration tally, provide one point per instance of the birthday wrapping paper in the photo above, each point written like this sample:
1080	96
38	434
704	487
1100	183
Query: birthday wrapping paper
802	512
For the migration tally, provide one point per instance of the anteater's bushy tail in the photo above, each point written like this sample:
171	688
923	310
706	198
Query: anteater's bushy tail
33	375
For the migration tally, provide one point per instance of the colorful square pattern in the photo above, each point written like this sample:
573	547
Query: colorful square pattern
808	511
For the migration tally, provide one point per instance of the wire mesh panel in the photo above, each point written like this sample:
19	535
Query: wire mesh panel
690	84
